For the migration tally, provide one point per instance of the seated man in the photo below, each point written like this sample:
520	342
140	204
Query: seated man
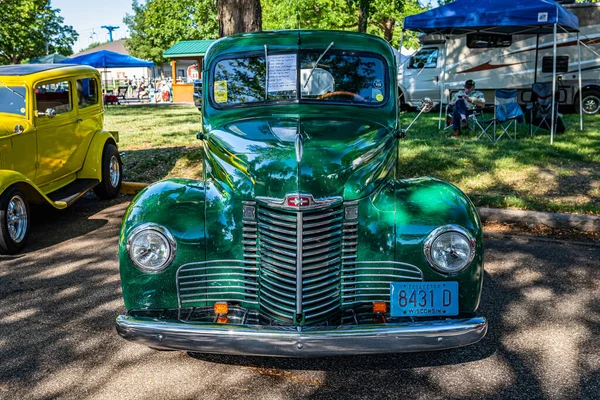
463	103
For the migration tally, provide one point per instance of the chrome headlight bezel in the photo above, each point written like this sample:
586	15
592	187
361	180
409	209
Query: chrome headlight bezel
435	234
157	229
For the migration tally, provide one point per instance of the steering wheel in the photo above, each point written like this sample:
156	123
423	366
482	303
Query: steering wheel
357	97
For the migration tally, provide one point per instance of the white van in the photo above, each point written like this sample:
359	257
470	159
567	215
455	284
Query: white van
506	62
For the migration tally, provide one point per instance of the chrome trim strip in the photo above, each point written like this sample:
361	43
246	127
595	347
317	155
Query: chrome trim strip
299	234
271	341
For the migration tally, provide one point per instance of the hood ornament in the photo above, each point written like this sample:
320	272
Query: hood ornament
299	146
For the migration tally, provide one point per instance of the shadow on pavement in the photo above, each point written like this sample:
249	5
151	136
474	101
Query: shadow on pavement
59	300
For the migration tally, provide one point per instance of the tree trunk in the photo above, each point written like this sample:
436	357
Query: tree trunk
239	16
363	15
388	29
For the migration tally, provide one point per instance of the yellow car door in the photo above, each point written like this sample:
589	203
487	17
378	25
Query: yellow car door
90	116
56	123
17	133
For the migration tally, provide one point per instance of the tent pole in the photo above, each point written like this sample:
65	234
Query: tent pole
553	84
398	102
441	82
580	94
537	47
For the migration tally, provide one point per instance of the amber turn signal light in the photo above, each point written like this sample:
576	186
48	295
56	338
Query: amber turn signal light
379	307
222	320
221	308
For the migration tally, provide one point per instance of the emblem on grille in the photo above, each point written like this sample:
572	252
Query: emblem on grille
299	201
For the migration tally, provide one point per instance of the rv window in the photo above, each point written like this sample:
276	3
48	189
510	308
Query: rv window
425	58
487	40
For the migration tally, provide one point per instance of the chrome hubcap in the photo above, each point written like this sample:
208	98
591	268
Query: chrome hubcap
17	219
115	171
591	104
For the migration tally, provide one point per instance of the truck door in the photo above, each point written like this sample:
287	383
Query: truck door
422	75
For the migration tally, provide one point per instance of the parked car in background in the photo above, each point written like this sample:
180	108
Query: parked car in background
53	148
302	239
198	94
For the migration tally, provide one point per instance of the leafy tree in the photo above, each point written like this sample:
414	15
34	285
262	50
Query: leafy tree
94	45
29	28
308	14
157	25
387	15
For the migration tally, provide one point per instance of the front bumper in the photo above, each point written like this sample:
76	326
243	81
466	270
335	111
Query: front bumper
258	340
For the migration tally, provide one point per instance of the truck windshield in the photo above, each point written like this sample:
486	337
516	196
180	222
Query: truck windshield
339	77
12	100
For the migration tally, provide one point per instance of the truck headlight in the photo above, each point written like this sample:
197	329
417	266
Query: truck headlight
449	248
151	247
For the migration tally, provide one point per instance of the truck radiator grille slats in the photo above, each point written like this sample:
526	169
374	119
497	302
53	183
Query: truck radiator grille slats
299	267
299	263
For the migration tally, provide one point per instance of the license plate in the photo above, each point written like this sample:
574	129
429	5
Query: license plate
423	299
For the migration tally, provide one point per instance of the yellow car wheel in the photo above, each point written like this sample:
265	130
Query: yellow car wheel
112	173
15	220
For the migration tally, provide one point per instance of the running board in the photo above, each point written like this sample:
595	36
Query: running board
73	191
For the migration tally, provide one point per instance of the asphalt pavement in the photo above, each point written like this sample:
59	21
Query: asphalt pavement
59	299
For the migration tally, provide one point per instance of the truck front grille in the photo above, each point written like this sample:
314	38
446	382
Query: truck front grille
300	263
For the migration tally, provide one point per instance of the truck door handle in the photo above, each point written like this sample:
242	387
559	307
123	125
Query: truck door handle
78	120
437	79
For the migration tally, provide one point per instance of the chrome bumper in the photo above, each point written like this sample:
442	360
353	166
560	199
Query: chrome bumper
260	340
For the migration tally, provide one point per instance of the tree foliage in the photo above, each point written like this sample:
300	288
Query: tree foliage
157	25
308	14
28	26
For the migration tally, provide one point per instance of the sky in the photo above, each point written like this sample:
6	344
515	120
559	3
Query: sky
88	16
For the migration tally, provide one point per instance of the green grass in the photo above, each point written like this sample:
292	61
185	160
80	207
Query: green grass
160	141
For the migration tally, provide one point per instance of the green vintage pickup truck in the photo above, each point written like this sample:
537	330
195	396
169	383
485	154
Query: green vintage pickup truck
303	239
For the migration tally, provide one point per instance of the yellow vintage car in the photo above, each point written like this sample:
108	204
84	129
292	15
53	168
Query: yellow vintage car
53	147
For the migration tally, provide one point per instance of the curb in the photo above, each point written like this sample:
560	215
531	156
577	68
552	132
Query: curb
589	223
132	187
580	222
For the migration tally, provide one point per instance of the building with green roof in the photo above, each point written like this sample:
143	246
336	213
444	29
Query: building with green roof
191	50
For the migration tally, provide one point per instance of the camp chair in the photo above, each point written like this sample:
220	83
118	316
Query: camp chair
473	118
540	109
507	114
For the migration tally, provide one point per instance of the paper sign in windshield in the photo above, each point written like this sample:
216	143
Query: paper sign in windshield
282	73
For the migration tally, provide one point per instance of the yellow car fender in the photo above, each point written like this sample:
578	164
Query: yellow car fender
92	166
32	193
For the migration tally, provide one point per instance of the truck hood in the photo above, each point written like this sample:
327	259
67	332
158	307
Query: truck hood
325	157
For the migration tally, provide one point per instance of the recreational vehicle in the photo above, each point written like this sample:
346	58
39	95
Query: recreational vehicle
507	62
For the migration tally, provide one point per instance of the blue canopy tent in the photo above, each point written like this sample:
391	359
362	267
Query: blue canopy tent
109	59
501	17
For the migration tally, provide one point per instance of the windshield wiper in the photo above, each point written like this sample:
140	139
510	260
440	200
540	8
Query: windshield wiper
12	90
317	63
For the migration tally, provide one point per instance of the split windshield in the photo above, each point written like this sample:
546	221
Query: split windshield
12	99
339	77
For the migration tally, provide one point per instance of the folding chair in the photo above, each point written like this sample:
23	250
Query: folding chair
507	114
473	119
540	109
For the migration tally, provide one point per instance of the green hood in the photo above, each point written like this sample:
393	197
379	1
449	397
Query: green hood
336	157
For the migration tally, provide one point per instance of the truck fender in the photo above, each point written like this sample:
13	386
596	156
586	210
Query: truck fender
33	194
92	166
